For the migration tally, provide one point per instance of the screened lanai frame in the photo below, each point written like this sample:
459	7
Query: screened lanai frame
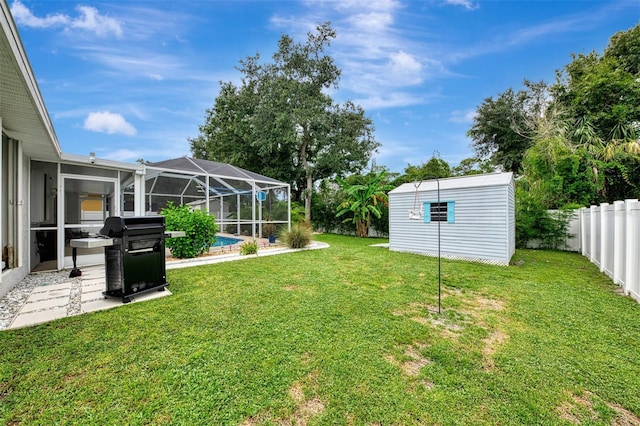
241	201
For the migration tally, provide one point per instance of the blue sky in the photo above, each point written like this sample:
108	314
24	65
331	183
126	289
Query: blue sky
132	79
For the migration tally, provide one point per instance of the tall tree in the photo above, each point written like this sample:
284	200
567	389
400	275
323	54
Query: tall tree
473	166
502	128
601	95
363	200
436	167
281	122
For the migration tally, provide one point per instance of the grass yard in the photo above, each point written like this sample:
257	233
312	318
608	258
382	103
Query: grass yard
346	335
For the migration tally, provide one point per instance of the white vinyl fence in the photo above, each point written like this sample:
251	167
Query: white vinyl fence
610	238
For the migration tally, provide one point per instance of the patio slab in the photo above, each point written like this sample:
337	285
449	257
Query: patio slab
92	288
27	319
45	304
90	296
108	303
90	280
46	295
49	288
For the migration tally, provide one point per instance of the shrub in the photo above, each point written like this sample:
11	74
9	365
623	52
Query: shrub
298	237
199	228
249	247
268	229
535	223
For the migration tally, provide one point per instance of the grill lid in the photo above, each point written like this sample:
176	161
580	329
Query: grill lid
117	226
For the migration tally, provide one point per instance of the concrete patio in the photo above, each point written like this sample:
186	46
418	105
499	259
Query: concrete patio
50	302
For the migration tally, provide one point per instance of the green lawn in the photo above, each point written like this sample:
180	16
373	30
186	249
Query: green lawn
345	335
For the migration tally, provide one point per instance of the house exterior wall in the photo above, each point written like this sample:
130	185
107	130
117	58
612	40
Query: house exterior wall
483	227
13	276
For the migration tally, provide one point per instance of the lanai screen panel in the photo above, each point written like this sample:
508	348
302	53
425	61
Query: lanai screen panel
240	200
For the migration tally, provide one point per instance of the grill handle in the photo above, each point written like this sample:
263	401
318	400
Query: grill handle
142	250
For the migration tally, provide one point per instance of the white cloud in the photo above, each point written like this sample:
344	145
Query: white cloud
371	22
91	20
405	67
88	19
469	5
458	116
23	16
379	59
389	100
108	122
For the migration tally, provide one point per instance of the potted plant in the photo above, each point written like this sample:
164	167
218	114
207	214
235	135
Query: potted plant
269	230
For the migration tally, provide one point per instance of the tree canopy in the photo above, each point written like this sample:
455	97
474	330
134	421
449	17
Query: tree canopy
502	127
576	141
281	122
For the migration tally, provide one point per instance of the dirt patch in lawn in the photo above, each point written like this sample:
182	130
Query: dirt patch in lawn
291	287
306	407
411	366
491	344
580	409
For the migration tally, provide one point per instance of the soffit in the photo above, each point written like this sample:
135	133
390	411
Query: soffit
24	115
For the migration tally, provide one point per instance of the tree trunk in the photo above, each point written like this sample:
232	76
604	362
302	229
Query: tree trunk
307	198
307	169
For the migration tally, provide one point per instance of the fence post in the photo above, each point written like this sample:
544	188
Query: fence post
631	251
583	231
604	235
592	240
619	244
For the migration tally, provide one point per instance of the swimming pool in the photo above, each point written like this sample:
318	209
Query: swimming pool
225	241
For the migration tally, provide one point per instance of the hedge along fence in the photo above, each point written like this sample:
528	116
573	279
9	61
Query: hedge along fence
609	236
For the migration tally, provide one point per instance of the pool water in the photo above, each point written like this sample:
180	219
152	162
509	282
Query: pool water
225	241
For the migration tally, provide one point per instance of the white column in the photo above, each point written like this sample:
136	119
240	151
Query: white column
604	235
238	214
289	207
631	252
618	241
207	195
1	206
253	210
583	230
138	192
592	239
19	206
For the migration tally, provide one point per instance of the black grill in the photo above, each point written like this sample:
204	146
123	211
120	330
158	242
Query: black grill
136	262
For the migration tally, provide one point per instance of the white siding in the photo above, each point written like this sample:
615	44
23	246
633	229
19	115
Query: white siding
484	227
511	218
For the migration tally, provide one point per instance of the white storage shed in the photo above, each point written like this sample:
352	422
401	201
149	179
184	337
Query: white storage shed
476	216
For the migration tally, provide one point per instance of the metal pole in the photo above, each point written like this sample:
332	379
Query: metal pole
439	220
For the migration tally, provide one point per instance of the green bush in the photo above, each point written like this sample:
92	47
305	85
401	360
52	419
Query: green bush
298	237
249	247
199	228
535	222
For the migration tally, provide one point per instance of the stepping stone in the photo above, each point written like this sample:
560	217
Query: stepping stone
92	281
47	288
37	297
25	319
91	296
45	304
92	288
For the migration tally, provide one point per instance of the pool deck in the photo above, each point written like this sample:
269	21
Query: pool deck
45	302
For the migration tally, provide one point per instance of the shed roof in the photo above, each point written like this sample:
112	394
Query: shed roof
471	181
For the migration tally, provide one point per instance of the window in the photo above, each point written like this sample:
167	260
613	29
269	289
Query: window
439	212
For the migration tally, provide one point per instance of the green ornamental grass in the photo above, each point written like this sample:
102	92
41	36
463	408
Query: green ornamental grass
344	335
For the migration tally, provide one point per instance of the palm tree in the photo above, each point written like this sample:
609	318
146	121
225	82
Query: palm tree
363	200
